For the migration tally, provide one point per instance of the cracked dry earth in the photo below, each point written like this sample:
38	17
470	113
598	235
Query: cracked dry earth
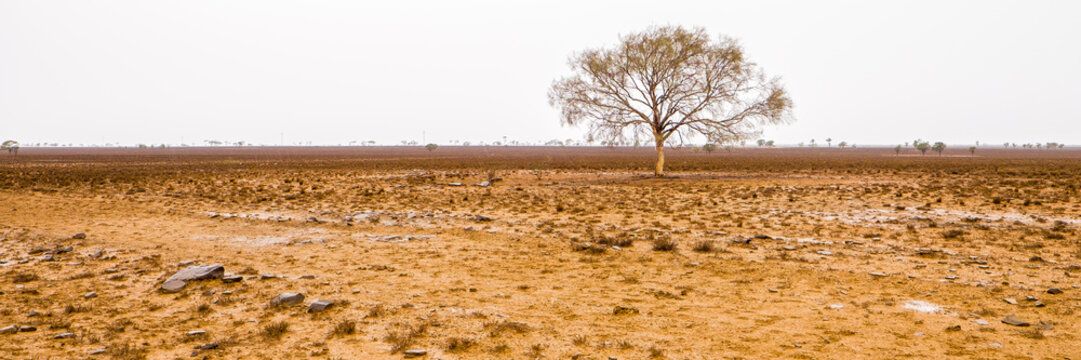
790	256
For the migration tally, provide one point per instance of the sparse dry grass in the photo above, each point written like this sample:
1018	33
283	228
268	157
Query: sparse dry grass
344	328
274	330
511	286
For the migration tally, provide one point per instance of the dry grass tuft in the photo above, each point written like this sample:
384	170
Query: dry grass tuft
664	244
655	352
400	340
459	344
377	311
274	331
497	328
344	327
24	278
127	352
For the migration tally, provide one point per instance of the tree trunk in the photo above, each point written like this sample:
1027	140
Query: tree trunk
660	159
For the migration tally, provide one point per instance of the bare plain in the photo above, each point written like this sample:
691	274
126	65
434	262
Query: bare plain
519	252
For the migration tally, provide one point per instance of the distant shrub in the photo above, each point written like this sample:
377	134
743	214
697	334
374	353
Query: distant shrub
952	234
664	243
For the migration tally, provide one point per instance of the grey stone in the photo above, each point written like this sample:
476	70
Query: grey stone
287	299
1010	301
199	272
411	353
196	332
173	286
1014	320
232	279
97	351
79	236
26	328
90	295
10	329
65	250
319	305
1054	291
64	336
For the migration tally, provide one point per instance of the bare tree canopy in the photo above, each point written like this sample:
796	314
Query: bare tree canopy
669	81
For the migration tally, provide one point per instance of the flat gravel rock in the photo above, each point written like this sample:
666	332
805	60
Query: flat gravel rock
173	286
319	305
287	299
1014	320
199	272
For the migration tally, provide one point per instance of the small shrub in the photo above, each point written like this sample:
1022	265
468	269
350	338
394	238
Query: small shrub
655	352
275	330
400	340
24	278
457	344
535	350
588	248
497	328
703	246
579	340
664	244
952	234
344	327
622	240
377	311
127	352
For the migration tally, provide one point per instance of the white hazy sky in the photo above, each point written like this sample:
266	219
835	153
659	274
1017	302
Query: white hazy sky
870	72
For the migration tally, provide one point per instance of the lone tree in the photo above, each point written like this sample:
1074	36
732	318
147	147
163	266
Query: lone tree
666	81
431	147
972	150
11	146
939	147
923	146
897	150
709	148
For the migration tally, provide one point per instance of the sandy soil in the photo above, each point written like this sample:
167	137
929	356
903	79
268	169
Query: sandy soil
777	254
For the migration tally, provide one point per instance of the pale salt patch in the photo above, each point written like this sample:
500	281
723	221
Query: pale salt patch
922	306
